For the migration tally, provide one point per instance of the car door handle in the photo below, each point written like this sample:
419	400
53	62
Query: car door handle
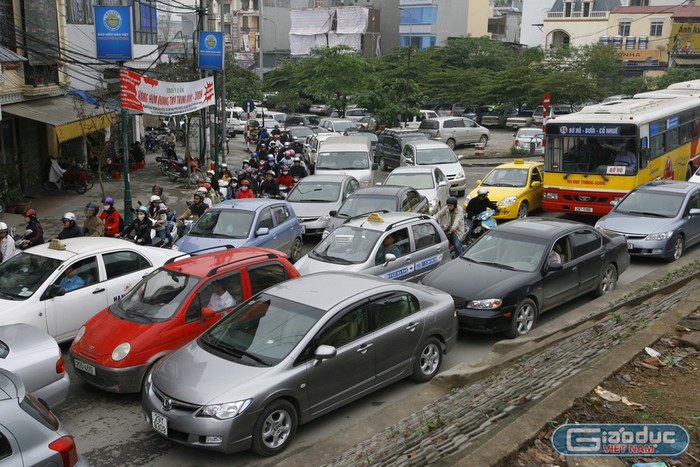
438	248
574	268
101	289
408	260
364	348
412	326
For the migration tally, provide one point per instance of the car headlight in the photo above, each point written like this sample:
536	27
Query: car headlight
551	195
660	235
121	351
225	411
325	218
599	226
485	304
460	174
508	201
325	234
81	331
433	203
367	183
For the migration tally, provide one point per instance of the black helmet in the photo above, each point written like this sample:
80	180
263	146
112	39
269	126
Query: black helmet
452	200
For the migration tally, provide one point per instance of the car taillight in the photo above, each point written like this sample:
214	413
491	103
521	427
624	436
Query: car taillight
60	367
66	447
516	142
437	134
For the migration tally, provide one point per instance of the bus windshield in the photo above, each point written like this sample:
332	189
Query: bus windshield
597	155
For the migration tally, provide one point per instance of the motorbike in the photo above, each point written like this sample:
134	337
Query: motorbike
164	161
483	223
19	239
76	179
153	141
178	169
446	229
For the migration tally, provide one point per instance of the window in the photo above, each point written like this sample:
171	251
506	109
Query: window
266	275
459	123
425	235
656	29
693	202
623	28
120	263
79	274
351	187
79	12
281	214
265	220
585	242
352	325
388	310
7	28
449	124
536	177
418	15
418	41
145	29
221	294
5	447
413	198
567	9
586	9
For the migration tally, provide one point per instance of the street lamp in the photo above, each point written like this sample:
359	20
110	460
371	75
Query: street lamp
274	30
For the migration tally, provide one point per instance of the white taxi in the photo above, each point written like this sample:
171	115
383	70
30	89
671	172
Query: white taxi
58	286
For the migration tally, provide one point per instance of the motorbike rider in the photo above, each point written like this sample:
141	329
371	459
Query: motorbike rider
36	237
161	224
263	136
212	194
453	216
158	191
285	179
479	204
269	165
298	170
111	217
141	227
195	209
245	190
287	160
269	188
7	244
93	225
70	227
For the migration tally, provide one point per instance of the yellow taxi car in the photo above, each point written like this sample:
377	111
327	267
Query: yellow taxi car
516	187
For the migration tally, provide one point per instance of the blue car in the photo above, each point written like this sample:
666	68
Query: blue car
246	222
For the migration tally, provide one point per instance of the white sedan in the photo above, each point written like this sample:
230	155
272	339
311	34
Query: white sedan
58	286
429	181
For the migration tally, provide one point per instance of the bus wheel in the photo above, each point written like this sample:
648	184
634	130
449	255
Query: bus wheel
689	172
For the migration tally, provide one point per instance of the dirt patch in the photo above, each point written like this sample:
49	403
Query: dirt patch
661	388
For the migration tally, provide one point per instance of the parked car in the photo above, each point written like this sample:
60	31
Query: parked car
356	114
315	196
337	125
246	222
359	246
475	112
450	110
498	117
414	122
235	121
386	198
390	144
97	271
454	131
277	117
320	109
35	357
434	153
659	219
366	123
429	181
523	119
170	307
281	360
530	139
30	434
509	276
306	120
515	186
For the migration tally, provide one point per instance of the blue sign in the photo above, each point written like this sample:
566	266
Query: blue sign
248	106
113	33
611	439
589	130
211	50
673	122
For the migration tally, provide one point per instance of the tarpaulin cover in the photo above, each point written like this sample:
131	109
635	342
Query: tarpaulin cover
352	20
302	45
311	21
354	41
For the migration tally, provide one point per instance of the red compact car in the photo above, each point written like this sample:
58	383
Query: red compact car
168	308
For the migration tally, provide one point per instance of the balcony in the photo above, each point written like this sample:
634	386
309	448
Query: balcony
577	15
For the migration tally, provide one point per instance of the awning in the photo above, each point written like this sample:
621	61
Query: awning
684	61
8	56
62	114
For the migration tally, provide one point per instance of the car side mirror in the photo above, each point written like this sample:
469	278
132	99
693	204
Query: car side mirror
442	183
323	352
56	291
375	166
388	258
554	266
694	211
207	313
460	157
535	184
613	203
332	213
262	231
478	182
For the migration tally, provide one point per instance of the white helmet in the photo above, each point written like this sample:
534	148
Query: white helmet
202	190
69	216
155	198
482	191
3	227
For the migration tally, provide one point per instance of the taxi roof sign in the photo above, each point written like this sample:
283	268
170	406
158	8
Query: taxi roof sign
375	217
519	161
56	244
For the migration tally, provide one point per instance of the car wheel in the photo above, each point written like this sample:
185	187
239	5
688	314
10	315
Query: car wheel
295	252
689	172
678	249
608	281
523	210
428	360
523	319
484	139
451	143
382	165
275	428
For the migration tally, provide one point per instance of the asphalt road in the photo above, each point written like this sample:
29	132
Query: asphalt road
110	430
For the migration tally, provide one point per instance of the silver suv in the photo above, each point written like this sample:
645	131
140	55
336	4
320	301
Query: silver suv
454	131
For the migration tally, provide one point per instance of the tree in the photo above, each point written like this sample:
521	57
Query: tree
672	76
241	84
570	87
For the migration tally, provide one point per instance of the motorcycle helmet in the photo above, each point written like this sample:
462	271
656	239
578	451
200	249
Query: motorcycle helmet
142	209
3	227
108	200
246	164
270	157
248	170
451	200
92	207
254	154
162	207
223	165
270	172
69	216
207	186
201	190
200	181
155	199
291	152
198	194
482	191
245	182
30	213
296	159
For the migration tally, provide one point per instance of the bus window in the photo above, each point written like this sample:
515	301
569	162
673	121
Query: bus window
657	146
672	139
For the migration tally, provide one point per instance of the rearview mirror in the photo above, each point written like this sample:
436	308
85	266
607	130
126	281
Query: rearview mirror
694	211
408	161
460	157
388	258
332	213
613	203
535	184
442	183
206	313
554	266
262	231
323	352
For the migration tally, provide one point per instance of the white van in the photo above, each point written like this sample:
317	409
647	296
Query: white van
414	122
313	143
347	155
235	120
279	117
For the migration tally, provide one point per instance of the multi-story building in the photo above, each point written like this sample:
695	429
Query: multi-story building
576	22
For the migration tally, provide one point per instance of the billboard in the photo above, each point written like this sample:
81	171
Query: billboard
211	50
163	98
640	57
113	33
685	38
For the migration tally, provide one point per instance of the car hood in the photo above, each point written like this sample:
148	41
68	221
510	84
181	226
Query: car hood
25	340
307	265
190	243
9	308
196	376
429	193
498	193
104	332
631	224
469	280
450	170
313	209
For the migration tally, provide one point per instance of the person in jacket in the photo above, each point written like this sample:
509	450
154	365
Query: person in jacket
93	225
112	219
7	244
298	170
196	209
285	179
245	191
36	237
269	188
480	203
70	227
140	227
452	215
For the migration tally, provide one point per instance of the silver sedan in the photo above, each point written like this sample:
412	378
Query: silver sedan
293	353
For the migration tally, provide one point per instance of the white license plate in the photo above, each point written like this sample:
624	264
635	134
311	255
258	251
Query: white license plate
160	423
630	246
582	209
303	229
84	367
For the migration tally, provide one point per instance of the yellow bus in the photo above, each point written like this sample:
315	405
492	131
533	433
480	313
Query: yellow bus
597	155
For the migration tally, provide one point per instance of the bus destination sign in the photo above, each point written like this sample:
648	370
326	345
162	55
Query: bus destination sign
589	130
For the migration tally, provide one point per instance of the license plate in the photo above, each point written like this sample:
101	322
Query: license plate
303	229
582	209
160	423
630	246
84	367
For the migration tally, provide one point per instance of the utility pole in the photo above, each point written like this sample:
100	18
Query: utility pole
222	125
260	49
202	113
128	214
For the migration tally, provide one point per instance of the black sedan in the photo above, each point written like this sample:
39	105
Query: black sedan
525	267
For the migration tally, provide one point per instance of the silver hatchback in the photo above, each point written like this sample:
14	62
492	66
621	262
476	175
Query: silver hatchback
295	352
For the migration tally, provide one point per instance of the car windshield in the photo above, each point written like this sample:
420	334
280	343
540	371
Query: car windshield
419	181
507	251
262	331
24	273
435	156
228	223
314	192
429	125
357	205
506	177
346	245
651	203
342	126
530	133
156	298
342	161
301	132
